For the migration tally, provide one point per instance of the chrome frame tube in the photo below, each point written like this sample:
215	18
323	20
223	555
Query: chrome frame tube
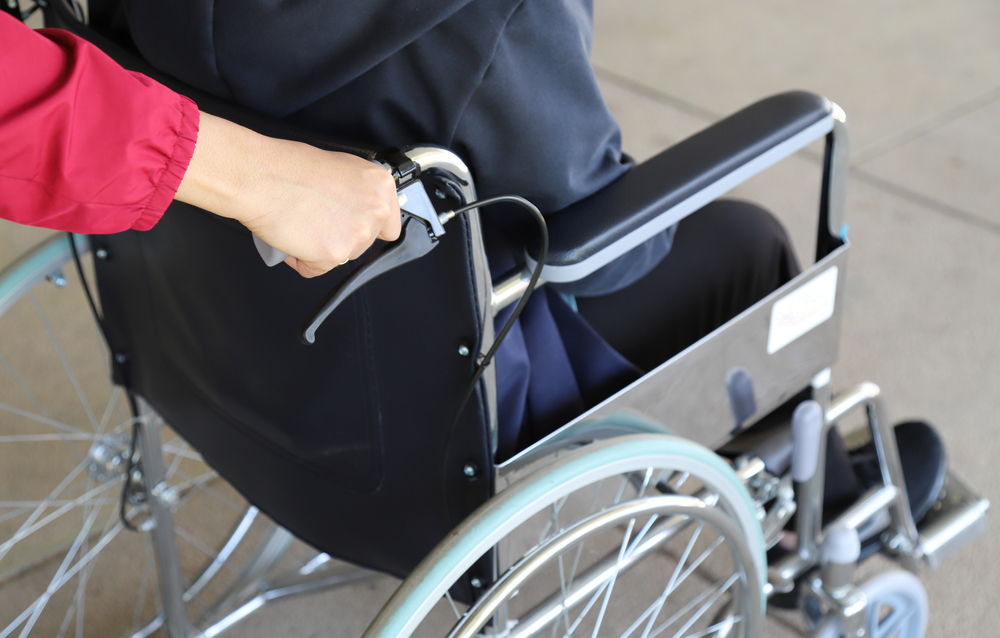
292	586
510	288
884	436
839	141
870	505
164	542
809	495
434	157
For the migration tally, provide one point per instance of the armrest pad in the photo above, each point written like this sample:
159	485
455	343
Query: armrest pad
663	190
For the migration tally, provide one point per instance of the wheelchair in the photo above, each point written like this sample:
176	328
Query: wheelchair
681	504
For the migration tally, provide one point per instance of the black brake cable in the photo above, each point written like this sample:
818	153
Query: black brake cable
543	253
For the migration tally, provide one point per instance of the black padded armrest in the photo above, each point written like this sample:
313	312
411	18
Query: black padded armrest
663	190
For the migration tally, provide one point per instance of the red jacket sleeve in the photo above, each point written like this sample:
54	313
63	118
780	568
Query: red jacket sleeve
85	145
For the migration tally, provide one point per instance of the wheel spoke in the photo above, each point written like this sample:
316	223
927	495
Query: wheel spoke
44	438
189	486
54	584
35	526
183	452
553	520
65	362
708	605
714	628
21	532
713	595
645	481
58	425
672	583
109	409
614	578
197	543
24	386
454	607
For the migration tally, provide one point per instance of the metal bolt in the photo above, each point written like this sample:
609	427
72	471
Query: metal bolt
167	495
100	253
121	358
463	350
786	493
469	470
476	583
57	278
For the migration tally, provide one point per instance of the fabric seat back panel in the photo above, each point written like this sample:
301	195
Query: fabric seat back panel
328	439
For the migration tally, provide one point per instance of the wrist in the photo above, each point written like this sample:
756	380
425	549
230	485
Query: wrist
224	168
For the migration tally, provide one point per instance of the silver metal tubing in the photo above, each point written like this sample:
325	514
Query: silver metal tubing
433	157
223	555
584	587
839	138
248	583
510	288
903	536
164	542
291	586
685	507
809	499
875	501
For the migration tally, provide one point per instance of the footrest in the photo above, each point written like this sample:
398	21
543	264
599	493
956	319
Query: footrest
956	518
923	459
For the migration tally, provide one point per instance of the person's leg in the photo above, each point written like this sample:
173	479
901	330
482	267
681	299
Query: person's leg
726	257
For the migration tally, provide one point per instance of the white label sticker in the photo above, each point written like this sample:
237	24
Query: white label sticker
799	312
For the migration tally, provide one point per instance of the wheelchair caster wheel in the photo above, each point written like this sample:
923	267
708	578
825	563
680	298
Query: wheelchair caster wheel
897	608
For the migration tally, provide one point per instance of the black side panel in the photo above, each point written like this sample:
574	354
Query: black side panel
581	230
342	442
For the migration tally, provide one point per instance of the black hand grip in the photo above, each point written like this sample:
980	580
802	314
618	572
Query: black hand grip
416	239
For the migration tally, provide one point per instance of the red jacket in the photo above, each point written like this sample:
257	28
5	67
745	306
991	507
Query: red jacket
85	145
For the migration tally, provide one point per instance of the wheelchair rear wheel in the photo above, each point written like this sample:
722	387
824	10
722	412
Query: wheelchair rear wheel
69	564
638	536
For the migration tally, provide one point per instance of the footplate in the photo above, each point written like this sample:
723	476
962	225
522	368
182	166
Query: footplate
958	517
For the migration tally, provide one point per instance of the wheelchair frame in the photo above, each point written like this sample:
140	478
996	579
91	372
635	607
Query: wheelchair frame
687	394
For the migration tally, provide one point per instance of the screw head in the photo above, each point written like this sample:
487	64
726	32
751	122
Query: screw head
476	583
101	253
463	350
469	470
121	358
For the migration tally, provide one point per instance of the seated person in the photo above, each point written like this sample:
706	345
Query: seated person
506	84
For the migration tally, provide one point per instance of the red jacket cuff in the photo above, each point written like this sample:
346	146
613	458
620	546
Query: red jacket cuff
175	166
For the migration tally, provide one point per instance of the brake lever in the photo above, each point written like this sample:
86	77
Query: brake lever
419	234
416	239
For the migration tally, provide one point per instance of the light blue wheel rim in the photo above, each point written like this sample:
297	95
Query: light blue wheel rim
482	529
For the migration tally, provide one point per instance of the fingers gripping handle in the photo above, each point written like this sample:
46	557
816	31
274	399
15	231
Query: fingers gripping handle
272	256
416	239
